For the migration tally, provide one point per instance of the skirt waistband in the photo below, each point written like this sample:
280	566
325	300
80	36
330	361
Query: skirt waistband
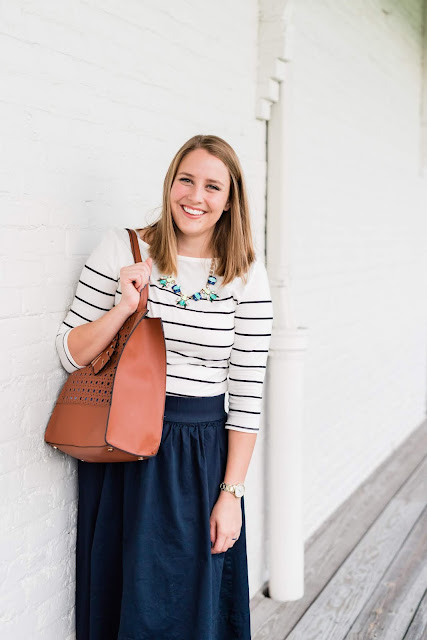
194	409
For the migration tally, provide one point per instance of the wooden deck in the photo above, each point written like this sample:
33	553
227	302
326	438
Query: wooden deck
366	567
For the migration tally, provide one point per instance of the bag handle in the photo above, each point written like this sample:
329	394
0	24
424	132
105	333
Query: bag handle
142	305
101	360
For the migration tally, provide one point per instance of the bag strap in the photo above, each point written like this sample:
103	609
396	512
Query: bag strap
134	245
142	305
99	362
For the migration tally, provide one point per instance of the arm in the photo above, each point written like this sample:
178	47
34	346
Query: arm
240	449
87	340
253	323
226	516
247	367
248	361
92	320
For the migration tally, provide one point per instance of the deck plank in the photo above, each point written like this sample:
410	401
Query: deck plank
331	544
340	602
263	618
418	627
390	609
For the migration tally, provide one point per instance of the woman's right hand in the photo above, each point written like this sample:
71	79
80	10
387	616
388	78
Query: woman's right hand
133	279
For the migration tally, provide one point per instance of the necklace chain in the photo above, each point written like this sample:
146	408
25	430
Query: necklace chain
206	293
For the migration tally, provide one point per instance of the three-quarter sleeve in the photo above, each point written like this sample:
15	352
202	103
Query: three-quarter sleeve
248	359
94	296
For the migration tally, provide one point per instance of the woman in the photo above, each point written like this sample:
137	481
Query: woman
161	544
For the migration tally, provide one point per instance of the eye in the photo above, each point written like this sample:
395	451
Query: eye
209	185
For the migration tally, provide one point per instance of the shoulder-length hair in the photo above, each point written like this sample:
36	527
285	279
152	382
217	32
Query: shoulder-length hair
232	242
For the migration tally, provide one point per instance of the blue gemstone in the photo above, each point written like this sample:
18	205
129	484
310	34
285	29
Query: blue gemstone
211	280
196	296
176	288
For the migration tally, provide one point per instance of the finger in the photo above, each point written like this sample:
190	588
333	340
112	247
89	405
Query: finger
146	263
229	543
136	280
213	531
233	539
143	265
220	545
141	278
147	268
138	275
136	267
132	275
143	283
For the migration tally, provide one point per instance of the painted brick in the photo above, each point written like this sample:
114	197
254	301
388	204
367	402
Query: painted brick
97	101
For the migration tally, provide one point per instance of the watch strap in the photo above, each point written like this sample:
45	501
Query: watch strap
231	487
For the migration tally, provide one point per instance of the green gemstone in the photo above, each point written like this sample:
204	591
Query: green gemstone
163	281
182	303
213	296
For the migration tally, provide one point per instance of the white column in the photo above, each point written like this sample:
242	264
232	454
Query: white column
423	136
285	370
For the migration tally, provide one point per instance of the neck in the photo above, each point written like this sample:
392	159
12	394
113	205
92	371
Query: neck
193	247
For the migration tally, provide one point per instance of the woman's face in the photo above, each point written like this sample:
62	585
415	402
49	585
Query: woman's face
202	183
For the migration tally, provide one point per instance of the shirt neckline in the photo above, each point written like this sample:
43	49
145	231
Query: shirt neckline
186	258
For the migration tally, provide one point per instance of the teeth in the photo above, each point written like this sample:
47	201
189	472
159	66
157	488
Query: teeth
193	212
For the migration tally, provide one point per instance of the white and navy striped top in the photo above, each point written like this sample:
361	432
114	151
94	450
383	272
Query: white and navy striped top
212	347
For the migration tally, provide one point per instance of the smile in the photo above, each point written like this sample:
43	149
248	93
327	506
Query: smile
193	212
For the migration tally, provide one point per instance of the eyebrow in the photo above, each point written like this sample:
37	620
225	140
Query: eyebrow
184	173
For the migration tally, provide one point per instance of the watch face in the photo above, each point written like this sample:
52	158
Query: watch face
239	490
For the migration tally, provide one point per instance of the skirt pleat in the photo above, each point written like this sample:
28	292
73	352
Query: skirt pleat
144	567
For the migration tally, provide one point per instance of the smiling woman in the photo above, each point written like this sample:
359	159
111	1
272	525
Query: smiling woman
197	198
161	543
205	175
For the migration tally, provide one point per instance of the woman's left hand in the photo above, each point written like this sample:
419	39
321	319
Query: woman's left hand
225	522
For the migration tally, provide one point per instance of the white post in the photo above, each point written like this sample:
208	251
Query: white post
423	136
285	370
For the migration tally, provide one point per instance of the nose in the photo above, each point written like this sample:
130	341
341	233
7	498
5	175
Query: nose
196	194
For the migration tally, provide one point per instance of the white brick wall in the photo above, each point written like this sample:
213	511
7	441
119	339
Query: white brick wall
359	238
96	99
97	96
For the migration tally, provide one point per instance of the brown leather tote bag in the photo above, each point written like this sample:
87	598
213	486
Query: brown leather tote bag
112	410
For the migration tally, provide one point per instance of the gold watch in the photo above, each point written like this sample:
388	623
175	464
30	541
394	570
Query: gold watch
237	490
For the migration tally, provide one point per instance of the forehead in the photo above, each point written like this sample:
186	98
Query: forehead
203	165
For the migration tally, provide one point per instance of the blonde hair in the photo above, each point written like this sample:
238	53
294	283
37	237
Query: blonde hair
232	236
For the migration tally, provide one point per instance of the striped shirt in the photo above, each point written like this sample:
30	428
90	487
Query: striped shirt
212	347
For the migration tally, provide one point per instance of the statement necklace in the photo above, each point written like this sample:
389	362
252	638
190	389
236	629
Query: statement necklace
204	294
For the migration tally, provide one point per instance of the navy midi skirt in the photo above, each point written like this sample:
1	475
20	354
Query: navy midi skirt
144	567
